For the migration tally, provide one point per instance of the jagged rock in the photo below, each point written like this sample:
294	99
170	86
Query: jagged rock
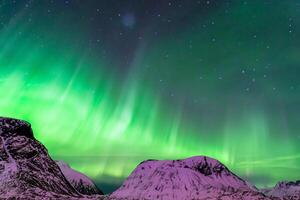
26	169
193	178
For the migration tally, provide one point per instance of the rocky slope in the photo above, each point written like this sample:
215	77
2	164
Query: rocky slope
193	178
26	169
79	181
285	190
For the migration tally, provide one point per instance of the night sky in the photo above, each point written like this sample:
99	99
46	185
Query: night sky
108	84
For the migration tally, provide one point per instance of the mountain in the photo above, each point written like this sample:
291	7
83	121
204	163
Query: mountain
289	190
192	178
28	172
26	169
79	181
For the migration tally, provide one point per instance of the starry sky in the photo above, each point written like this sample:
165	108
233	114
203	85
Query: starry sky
108	84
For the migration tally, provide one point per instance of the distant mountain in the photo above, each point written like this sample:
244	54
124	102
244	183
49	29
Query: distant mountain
79	181
285	190
193	178
26	169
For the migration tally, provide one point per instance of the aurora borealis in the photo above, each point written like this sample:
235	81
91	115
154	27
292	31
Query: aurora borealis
108	84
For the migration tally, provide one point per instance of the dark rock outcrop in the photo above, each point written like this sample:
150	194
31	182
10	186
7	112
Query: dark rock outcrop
26	169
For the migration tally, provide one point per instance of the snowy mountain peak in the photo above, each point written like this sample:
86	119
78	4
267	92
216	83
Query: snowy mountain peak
26	169
285	190
208	168
192	178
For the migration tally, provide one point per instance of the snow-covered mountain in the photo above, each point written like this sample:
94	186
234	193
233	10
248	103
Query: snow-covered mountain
285	190
79	181
194	178
28	172
26	169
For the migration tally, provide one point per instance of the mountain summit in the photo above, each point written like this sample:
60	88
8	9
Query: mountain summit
26	169
195	178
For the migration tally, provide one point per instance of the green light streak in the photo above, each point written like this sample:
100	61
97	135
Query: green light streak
78	112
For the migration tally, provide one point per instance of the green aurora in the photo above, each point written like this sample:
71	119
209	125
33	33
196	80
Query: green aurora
192	93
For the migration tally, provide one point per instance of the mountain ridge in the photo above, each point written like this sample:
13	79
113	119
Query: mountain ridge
284	190
28	172
198	177
26	169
